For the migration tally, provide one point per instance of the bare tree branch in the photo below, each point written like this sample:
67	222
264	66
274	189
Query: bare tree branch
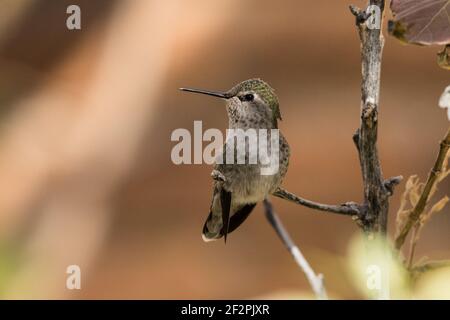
376	189
372	214
433	176
349	208
315	280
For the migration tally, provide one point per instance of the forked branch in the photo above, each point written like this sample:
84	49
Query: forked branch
376	189
419	208
373	212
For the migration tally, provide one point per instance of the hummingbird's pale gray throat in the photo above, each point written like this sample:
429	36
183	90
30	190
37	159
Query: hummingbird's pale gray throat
237	188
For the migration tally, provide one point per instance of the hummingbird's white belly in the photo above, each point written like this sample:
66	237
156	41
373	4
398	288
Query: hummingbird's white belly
246	183
254	189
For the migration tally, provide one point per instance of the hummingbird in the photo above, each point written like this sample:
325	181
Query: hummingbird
237	188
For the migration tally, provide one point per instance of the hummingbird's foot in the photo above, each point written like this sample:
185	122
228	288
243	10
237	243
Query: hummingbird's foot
218	176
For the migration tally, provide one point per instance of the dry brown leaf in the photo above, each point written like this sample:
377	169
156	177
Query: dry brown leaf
424	22
438	206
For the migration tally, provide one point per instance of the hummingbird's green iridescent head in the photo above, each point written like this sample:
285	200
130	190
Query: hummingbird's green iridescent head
253	95
261	89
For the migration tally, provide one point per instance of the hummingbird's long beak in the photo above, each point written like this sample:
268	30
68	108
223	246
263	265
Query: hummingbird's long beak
222	95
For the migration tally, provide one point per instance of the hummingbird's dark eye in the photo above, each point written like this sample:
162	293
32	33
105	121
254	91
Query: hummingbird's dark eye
248	97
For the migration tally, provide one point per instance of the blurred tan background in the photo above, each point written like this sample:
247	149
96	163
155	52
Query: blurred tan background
85	124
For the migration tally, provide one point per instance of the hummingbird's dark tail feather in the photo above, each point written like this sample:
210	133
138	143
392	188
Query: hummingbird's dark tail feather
235	221
239	217
225	202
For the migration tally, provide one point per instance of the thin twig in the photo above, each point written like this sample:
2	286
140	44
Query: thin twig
349	208
412	248
315	280
415	214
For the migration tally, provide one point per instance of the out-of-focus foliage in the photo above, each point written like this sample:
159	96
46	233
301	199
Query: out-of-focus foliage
422	22
9	262
375	270
433	285
378	273
288	295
